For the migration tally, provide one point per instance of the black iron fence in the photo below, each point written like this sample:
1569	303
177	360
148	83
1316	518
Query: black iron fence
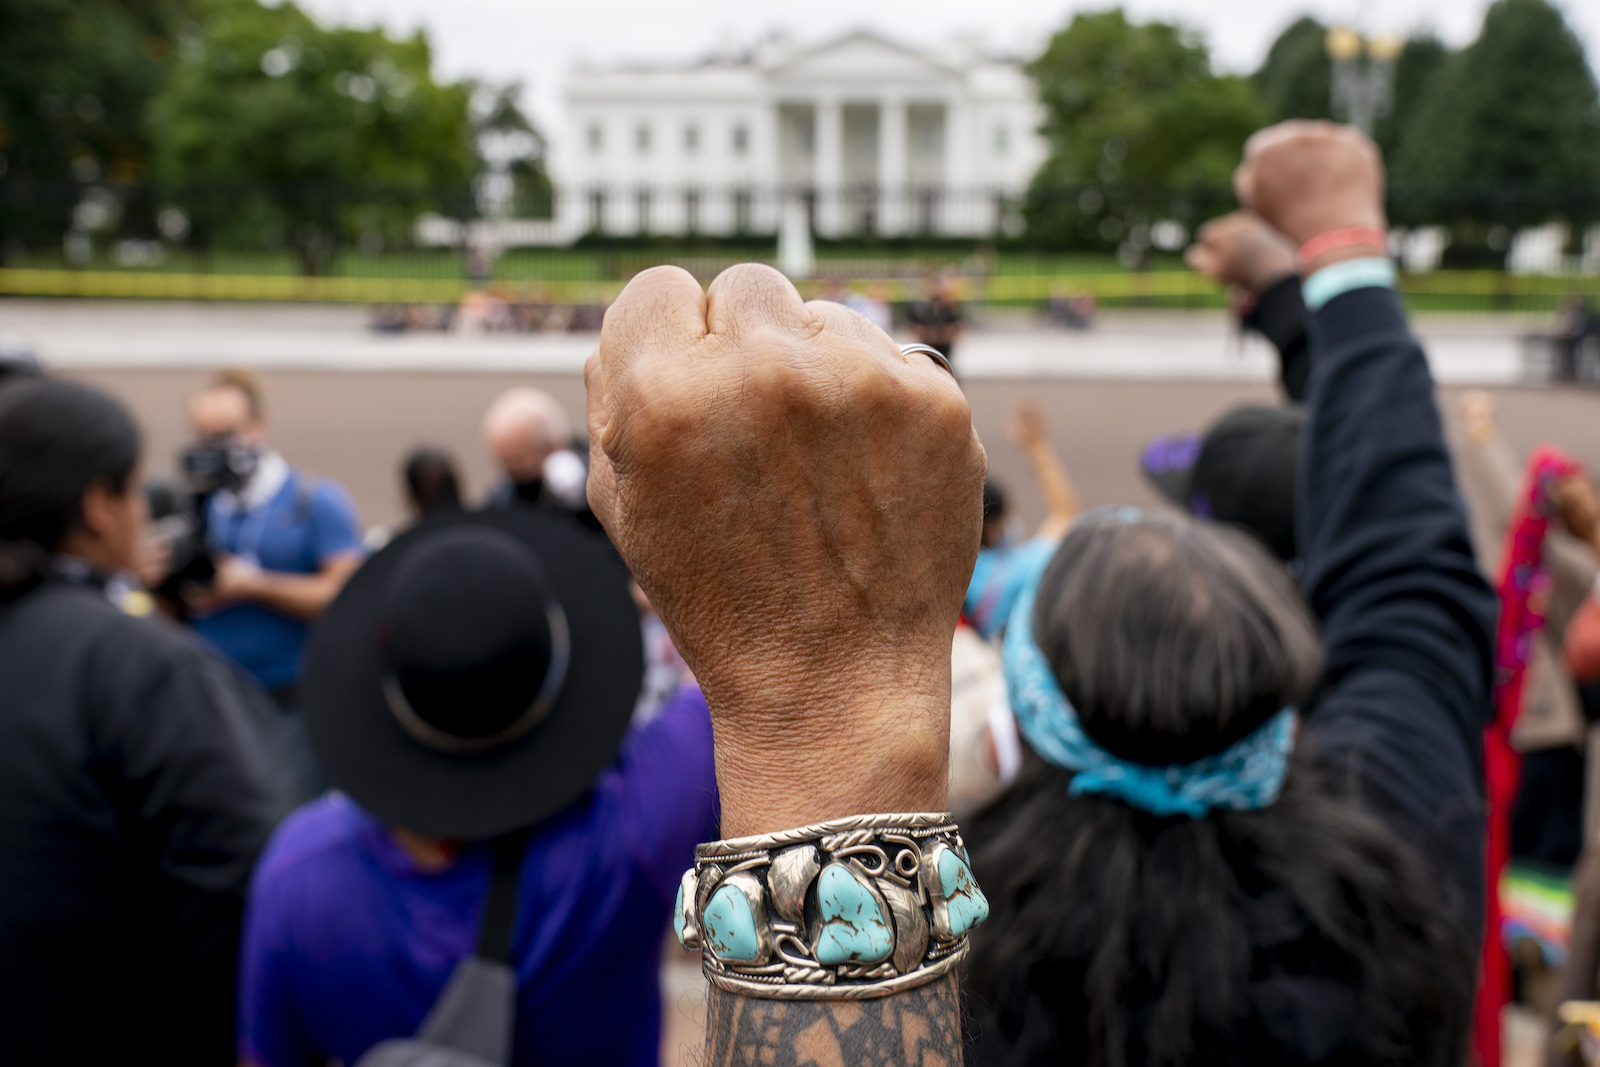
1488	247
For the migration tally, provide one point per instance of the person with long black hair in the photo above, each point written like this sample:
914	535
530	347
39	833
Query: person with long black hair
136	781
1234	842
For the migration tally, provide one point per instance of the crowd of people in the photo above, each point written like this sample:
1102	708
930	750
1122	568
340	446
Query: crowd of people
935	317
1236	780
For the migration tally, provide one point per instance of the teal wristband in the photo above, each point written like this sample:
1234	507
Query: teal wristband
1339	278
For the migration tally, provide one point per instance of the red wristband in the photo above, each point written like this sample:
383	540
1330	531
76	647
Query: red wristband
1349	237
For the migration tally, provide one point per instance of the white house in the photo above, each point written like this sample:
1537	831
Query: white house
869	134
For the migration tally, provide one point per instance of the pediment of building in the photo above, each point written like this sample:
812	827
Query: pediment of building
861	58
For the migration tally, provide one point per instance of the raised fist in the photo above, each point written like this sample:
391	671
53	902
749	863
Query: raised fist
1309	178
1243	251
802	504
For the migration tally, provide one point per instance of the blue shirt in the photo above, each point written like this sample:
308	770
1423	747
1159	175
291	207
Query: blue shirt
304	525
998	578
346	943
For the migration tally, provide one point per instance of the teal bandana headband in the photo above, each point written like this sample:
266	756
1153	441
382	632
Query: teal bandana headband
1245	776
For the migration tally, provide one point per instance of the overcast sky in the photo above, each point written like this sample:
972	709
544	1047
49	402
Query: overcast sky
536	41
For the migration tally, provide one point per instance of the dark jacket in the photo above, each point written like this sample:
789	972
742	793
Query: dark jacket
136	789
1407	618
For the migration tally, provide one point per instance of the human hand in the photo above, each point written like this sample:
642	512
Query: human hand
802	505
154	561
1027	430
1243	251
234	582
1477	415
1580	507
1310	178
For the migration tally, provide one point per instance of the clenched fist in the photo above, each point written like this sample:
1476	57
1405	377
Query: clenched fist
1243	251
802	504
1309	178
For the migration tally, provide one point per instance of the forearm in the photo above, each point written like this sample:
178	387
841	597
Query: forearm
301	596
1060	495
1281	317
918	1028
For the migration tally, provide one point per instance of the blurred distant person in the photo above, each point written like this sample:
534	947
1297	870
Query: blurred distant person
529	434
1241	472
137	776
497	872
1577	323
481	311
284	544
937	320
1004	556
1074	310
432	483
429	485
874	304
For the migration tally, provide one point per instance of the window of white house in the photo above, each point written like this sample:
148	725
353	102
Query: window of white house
741	139
691	138
1002	139
641	139
595	137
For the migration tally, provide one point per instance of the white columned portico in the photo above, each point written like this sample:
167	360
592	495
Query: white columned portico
829	133
956	207
894	177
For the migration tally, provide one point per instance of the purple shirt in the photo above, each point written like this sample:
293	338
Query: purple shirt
346	943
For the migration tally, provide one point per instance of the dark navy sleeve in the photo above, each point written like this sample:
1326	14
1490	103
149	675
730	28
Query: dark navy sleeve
1280	316
1407	618
669	789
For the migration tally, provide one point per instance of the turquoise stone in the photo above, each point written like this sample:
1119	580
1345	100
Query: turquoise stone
854	928
963	899
730	927
678	918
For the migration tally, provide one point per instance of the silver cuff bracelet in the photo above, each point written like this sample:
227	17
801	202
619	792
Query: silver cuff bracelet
841	910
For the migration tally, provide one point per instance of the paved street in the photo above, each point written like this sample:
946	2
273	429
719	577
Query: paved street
355	425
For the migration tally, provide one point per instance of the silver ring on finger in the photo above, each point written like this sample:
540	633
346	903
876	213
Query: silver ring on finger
932	353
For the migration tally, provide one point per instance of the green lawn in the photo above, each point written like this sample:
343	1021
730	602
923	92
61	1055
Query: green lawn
594	274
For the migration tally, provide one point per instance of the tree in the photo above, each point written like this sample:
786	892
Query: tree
1418	64
513	151
75	78
1296	79
1510	127
272	123
1137	124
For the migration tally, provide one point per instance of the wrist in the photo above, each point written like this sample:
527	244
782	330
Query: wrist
247	582
820	745
1265	280
764	792
1342	254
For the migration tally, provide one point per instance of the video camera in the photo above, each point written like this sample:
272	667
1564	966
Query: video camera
178	511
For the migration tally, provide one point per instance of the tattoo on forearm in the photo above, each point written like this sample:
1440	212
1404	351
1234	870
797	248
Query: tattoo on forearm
921	1028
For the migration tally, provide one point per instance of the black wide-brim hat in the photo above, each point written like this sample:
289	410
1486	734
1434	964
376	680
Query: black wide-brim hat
365	750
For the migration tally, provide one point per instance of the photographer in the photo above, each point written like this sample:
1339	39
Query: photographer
283	545
136	784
